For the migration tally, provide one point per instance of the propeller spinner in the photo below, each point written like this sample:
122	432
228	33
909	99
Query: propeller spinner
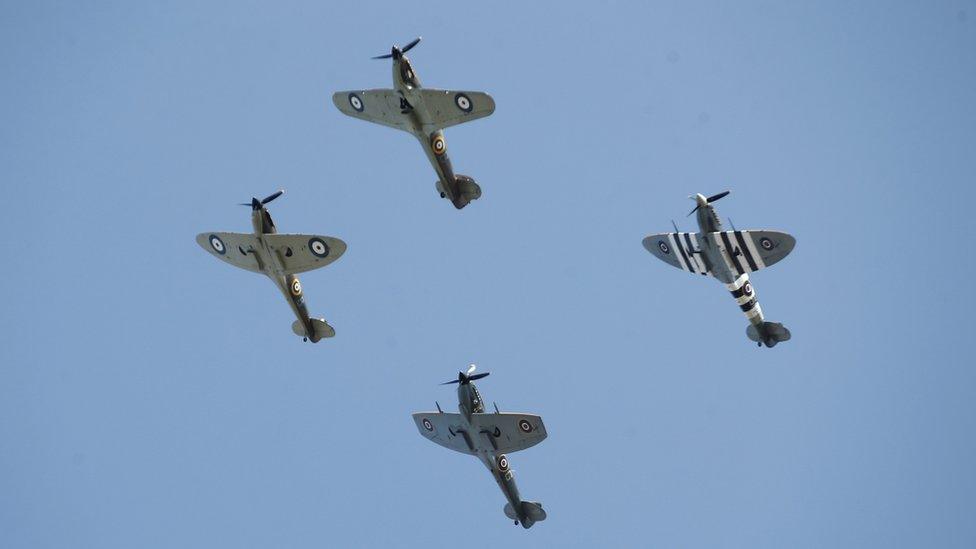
708	200
256	204
396	52
465	378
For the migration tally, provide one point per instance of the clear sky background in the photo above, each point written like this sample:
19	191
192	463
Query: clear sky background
151	396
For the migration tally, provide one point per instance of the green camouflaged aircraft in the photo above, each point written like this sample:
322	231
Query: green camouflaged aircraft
488	437
424	113
280	257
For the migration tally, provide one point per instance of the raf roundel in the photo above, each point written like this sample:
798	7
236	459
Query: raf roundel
318	247
439	145
355	102
747	288
525	426
428	425
217	244
503	463
766	243
663	247
296	288
463	102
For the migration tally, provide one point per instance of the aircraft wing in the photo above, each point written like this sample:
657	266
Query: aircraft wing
304	252
450	108
510	432
749	251
446	430
232	248
380	106
677	250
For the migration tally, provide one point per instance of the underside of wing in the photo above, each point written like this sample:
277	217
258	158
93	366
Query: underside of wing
750	251
444	429
304	252
233	248
510	432
681	250
450	108
380	106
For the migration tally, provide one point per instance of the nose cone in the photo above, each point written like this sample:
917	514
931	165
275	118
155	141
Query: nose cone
700	199
255	204
395	52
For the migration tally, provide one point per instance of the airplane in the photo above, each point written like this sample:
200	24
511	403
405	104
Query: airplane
728	256
280	257
424	113
489	437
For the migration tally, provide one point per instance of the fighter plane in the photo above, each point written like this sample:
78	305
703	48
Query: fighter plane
489	437
728	256
424	113
280	257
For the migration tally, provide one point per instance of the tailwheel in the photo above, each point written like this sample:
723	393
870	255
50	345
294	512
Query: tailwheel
443	195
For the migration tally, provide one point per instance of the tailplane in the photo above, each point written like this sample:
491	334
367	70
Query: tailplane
532	512
468	190
320	327
769	334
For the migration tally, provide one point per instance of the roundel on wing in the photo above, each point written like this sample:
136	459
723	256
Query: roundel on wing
525	426
463	102
356	102
217	244
502	463
766	243
438	144
318	247
661	245
747	288
427	424
296	288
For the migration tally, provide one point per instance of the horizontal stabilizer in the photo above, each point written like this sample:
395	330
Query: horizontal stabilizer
320	327
467	189
532	512
770	334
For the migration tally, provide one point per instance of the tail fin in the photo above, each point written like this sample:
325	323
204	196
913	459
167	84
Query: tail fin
770	334
468	190
320	327
532	512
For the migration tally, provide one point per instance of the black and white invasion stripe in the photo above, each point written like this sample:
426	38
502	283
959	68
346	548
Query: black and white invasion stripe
744	294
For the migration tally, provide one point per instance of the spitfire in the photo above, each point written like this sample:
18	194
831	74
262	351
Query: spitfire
728	256
424	113
489	437
280	257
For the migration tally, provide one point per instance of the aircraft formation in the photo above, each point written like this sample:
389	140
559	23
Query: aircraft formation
728	256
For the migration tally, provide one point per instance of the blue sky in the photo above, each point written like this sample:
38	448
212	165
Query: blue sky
153	397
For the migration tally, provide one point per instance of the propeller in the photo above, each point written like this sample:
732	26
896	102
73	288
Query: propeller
396	51
465	378
708	200
256	204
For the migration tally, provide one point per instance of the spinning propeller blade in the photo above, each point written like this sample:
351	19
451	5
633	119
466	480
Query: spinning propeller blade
465	378
708	200
256	204
396	51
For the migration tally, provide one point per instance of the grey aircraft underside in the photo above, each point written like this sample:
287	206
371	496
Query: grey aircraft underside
489	437
424	113
728	256
280	257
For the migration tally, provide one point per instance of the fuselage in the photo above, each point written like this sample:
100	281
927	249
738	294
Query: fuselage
407	83
271	264
710	252
470	402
